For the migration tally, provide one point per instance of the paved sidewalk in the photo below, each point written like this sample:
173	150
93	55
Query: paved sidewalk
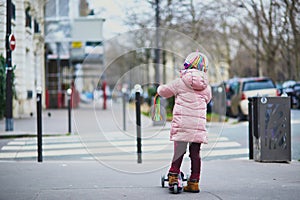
86	118
54	122
226	179
92	179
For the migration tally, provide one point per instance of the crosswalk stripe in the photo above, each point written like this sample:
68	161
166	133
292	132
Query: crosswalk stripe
78	144
121	148
119	144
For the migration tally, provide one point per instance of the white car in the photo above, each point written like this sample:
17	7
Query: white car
250	87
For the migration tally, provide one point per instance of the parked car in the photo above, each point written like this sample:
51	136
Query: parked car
294	92
216	104
279	88
288	84
229	89
250	87
296	95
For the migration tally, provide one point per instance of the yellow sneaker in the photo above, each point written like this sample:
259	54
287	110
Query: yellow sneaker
173	178
192	186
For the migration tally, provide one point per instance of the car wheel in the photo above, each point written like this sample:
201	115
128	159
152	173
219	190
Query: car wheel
228	112
241	116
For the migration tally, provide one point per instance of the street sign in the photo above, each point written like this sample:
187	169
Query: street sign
12	42
76	45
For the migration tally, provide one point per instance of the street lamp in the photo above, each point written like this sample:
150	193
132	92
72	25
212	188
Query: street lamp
9	123
69	93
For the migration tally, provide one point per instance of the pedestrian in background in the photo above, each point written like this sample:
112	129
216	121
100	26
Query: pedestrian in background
104	94
192	94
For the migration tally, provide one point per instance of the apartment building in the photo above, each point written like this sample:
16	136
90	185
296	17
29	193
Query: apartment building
27	26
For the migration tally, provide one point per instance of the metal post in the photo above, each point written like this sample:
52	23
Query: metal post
69	93
58	62
69	115
138	126
251	121
39	124
9	123
157	50
124	111
104	94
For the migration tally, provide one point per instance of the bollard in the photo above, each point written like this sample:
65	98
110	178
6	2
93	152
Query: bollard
138	126
69	116
124	108
69	93
39	124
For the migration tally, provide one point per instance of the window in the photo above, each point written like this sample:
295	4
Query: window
50	10
13	11
63	8
259	84
36	27
56	9
236	87
297	87
27	18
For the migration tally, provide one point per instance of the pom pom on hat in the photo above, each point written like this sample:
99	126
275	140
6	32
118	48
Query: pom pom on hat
196	60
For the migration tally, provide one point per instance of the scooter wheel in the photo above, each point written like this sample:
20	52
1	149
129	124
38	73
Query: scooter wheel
163	181
175	189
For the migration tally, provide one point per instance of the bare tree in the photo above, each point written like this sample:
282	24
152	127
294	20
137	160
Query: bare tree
234	30
273	20
292	16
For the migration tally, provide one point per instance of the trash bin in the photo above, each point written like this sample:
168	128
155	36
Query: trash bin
270	129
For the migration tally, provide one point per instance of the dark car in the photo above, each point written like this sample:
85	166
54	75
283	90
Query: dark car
230	86
294	93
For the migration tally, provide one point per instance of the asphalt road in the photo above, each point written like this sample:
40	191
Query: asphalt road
226	140
239	132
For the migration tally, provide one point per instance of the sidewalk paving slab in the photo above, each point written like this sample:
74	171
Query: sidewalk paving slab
221	179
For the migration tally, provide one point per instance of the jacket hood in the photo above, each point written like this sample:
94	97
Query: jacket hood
194	79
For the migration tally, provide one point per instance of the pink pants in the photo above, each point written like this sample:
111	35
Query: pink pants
179	151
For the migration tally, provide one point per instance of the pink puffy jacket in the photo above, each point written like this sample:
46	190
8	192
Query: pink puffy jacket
192	94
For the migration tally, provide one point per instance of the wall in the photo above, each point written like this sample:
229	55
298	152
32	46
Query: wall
28	55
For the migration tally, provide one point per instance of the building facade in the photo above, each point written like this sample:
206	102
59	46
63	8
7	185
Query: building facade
27	26
58	15
72	51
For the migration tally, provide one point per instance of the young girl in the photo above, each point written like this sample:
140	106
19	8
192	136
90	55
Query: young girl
192	94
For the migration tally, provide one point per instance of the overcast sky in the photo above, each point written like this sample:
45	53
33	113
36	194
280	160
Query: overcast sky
114	12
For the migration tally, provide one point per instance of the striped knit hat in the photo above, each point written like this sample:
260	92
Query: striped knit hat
196	60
